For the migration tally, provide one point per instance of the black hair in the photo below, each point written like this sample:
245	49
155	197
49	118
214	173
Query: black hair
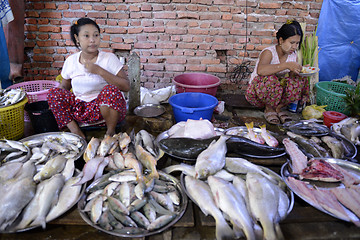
75	28
289	29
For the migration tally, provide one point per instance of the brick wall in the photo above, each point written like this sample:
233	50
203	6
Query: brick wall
170	36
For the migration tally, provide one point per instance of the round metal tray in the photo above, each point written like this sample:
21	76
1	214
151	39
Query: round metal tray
181	211
44	136
149	110
271	173
307	128
349	166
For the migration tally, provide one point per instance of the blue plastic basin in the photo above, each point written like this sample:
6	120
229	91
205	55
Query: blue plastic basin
192	105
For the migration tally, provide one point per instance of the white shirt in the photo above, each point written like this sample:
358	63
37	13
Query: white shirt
274	60
85	85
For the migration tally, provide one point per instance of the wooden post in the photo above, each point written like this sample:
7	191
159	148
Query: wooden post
134	78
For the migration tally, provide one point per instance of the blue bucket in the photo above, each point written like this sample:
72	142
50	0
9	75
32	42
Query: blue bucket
192	105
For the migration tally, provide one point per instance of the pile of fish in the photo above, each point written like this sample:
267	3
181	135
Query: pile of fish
233	190
119	203
349	128
13	151
338	197
119	152
133	197
10	96
39	189
195	129
324	146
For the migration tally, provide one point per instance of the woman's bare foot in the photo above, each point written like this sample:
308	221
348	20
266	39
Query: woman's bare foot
271	116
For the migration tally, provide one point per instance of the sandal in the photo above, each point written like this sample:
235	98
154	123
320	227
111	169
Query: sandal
271	117
284	117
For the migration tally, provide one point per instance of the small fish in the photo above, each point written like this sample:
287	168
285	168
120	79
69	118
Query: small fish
52	167
252	135
124	140
161	221
105	145
269	139
140	219
147	160
17	145
130	161
91	149
89	169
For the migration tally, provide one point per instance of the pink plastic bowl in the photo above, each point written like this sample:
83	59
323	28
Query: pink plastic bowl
196	82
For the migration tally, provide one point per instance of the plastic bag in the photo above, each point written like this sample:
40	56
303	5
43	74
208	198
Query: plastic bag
313	111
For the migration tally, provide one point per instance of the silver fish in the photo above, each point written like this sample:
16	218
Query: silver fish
201	193
264	204
337	149
211	159
161	221
48	195
91	148
52	167
230	201
67	198
15	196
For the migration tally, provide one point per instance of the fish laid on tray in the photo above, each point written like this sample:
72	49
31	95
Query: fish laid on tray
116	204
331	145
330	185
119	152
349	128
35	193
11	96
246	200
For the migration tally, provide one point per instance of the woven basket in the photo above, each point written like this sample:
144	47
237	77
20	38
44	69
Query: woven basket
35	91
332	94
12	121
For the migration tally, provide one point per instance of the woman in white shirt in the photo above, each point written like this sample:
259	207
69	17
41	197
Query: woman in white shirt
275	81
97	80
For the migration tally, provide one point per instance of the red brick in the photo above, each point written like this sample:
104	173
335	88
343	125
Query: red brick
169	45
157	67
176	60
188	15
164	15
63	6
50	15
144	45
121	46
269	5
154	29
175	67
217	69
49	29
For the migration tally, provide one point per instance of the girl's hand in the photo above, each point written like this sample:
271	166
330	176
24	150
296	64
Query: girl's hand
92	67
294	67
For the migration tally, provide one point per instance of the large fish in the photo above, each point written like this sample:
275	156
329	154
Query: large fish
230	201
53	166
264	204
106	144
211	159
269	139
90	169
9	170
201	193
48	196
337	149
67	198
15	195
307	144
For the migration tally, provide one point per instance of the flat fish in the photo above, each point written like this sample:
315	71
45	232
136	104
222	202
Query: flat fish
212	159
185	147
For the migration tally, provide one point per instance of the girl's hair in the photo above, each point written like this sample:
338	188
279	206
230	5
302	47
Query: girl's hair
289	29
75	28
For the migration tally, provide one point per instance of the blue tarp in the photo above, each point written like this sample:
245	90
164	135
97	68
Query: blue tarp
339	39
4	61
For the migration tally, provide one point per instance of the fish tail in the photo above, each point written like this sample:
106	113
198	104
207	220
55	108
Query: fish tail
279	234
223	230
249	125
263	126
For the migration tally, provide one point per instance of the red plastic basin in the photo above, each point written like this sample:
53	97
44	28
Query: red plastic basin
196	82
331	117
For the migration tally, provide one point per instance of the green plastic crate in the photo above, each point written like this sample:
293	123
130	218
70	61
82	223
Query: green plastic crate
331	94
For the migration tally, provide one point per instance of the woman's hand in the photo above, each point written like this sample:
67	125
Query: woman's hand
92	67
294	67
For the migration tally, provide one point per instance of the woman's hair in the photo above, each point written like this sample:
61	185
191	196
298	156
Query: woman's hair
75	28
289	29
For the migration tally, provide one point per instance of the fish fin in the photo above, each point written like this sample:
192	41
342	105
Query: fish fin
263	126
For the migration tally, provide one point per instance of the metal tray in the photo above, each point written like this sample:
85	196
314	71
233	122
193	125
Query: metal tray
10	229
271	173
307	128
149	110
44	136
22	96
242	131
181	211
349	166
